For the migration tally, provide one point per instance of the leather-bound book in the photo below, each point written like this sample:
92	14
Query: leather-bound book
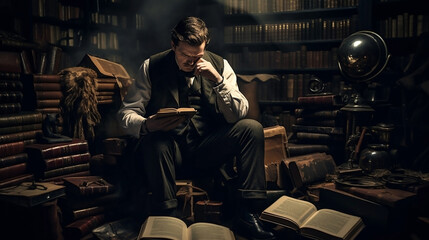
13	148
81	227
43	151
20	119
88	186
13	171
30	194
13	159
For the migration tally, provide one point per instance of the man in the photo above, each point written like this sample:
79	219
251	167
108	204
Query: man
189	76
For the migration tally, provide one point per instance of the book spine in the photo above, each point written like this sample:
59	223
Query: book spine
313	101
106	87
11	97
47	103
41	95
14	148
20	128
86	212
89	191
47	86
12	160
14	181
10	62
13	171
20	119
65	170
82	227
63	150
316	122
59	162
317	129
11	85
7	108
10	76
322	114
60	179
15	137
48	110
46	78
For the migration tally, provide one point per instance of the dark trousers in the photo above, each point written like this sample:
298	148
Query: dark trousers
161	156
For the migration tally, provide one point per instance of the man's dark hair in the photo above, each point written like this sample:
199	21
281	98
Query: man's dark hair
192	30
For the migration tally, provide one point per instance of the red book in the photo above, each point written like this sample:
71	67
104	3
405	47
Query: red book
43	151
13	171
48	95
16	137
14	181
64	161
319	100
46	78
82	227
48	103
20	119
88	186
10	62
13	148
20	128
47	86
12	160
62	171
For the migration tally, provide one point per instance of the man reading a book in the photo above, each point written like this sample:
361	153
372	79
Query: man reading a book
187	75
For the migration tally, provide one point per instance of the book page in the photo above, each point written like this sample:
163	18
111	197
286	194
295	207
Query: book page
163	227
209	231
167	112
290	208
333	222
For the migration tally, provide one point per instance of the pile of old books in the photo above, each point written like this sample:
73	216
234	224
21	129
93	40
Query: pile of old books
54	161
90	201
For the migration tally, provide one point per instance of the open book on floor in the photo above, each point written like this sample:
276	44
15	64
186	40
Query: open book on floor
171	228
303	217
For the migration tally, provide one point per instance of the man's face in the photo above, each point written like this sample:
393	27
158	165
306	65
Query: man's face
187	56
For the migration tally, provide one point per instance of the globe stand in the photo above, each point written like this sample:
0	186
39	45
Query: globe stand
361	57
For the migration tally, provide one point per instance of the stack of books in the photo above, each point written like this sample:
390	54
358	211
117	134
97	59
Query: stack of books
11	88
47	93
319	125
90	202
54	161
17	130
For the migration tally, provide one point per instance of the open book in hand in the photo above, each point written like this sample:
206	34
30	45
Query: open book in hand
162	227
175	112
303	217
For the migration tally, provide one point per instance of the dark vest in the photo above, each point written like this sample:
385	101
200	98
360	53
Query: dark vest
166	79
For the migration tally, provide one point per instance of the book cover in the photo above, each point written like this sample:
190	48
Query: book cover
13	170
13	159
20	119
88	186
103	67
13	181
42	151
29	194
13	148
169	112
81	227
62	171
54	163
20	128
20	136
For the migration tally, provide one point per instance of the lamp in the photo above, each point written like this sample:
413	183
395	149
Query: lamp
361	57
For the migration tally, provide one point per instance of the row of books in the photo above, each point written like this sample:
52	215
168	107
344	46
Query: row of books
276	6
403	25
308	29
302	59
55	9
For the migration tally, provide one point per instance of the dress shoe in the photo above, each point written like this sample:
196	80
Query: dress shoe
250	226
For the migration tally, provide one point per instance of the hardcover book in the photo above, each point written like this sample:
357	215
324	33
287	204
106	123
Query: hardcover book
175	112
303	217
29	194
13	159
20	136
13	171
88	185
20	119
42	151
164	227
14	148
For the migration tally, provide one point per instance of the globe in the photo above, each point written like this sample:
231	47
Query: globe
362	56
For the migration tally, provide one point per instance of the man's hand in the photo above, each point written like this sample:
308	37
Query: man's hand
206	69
165	124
